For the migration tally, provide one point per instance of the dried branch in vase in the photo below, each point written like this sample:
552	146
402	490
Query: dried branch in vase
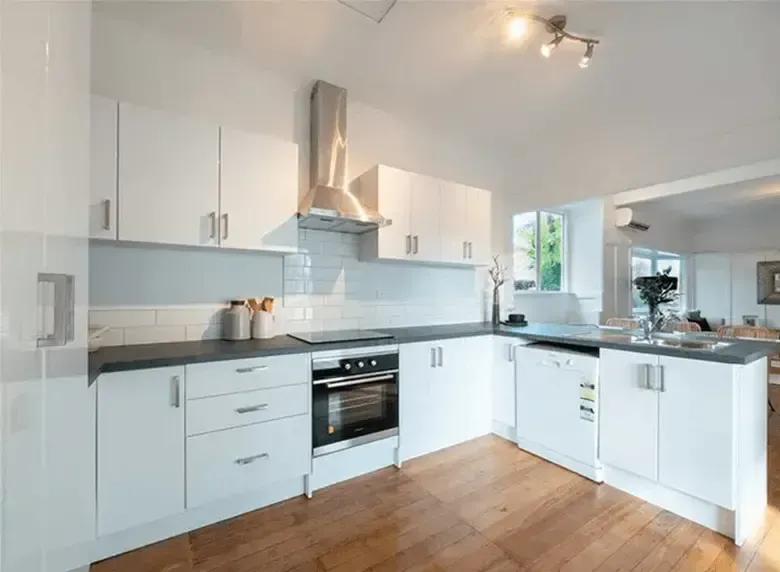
497	273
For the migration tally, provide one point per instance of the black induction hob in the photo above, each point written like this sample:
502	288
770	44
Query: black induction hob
340	336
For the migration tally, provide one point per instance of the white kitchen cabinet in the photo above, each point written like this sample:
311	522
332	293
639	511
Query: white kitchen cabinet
433	220
453	226
168	178
141	443
416	399
629	413
425	229
696	415
444	395
103	168
478	227
258	192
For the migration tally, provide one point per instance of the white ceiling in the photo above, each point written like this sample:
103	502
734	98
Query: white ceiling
665	70
723	202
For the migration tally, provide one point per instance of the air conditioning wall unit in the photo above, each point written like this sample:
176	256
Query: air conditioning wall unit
625	218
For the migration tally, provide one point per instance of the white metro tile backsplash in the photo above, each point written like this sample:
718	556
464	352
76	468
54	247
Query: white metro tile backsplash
326	287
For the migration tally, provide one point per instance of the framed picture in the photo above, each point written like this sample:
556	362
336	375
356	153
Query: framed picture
750	320
769	282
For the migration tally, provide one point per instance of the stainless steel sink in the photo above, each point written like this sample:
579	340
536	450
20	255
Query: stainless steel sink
704	345
670	341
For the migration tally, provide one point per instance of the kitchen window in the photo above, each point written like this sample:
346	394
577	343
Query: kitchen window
539	257
645	262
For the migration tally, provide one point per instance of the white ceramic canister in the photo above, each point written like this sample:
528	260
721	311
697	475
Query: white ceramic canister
235	323
263	325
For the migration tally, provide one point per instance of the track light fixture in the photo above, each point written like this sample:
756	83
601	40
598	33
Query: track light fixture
585	61
549	47
555	26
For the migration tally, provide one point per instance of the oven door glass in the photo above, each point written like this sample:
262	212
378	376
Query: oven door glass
353	409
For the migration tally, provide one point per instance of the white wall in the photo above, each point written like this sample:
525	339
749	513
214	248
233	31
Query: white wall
585	258
725	287
743	232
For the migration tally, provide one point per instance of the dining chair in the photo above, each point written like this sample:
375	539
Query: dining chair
680	326
749	332
625	323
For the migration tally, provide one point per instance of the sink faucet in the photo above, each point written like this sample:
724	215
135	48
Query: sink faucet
650	326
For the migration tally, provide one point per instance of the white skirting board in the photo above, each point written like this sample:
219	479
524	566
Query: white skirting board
126	540
702	512
595	474
350	463
507	432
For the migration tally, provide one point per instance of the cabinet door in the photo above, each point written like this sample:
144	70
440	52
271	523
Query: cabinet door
629	413
454	231
503	374
474	361
418	373
168	178
426	236
695	445
103	165
140	447
258	192
394	202
478	217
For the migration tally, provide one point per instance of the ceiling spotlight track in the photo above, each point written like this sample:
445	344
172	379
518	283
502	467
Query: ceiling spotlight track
556	26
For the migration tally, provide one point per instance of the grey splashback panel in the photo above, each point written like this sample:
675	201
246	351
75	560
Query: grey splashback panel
151	275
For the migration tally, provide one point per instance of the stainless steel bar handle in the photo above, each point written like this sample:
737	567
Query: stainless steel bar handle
465	250
364	377
213	219
661	382
254	369
225	226
252	408
57	309
408	244
360	381
441	356
644	375
416	243
107	214
252	459
433	357
471	251
176	391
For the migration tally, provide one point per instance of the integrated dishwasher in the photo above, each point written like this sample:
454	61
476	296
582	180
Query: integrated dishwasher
558	406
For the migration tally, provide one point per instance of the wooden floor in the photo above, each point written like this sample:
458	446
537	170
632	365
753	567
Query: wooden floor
481	506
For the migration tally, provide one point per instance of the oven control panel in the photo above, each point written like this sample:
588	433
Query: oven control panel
354	366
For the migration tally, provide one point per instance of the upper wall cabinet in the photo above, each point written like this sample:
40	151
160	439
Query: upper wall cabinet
168	178
258	196
433	220
102	202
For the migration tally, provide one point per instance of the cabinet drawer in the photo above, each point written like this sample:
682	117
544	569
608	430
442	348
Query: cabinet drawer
240	460
222	377
238	409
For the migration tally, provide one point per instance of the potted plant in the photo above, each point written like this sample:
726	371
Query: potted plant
655	291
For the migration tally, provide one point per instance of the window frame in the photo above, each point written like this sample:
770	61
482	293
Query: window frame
564	252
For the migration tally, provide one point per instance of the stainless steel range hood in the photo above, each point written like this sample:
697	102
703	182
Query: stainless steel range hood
330	205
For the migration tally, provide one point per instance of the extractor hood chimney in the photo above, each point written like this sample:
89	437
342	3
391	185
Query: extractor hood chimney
329	204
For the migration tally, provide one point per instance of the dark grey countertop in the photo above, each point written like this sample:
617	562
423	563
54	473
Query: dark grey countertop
126	358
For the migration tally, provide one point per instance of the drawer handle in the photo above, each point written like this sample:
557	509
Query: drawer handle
254	369
252	459
251	408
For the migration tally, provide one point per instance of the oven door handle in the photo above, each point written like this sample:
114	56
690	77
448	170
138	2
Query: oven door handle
362	381
363	377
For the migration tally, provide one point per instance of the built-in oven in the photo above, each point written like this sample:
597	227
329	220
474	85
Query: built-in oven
355	397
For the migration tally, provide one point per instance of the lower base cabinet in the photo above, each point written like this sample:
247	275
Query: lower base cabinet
140	452
445	395
236	461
